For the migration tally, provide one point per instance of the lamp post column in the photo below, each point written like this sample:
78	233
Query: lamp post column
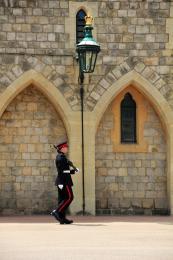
81	79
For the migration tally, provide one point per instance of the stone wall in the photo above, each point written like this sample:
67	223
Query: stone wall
131	183
135	29
28	128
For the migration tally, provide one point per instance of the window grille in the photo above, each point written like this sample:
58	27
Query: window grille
128	119
80	23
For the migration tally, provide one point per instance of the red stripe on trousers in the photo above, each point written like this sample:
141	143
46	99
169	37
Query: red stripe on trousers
66	202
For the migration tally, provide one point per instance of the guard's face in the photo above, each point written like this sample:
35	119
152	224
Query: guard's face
64	150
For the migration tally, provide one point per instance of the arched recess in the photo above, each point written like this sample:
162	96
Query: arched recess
159	103
145	87
45	86
70	118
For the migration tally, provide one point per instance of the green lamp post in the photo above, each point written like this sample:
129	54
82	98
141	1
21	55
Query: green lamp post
87	51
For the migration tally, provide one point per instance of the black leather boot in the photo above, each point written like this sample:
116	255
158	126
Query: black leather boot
66	221
57	216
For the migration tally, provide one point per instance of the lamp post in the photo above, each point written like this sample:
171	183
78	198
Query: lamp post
87	51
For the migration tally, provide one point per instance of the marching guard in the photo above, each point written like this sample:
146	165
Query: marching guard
64	183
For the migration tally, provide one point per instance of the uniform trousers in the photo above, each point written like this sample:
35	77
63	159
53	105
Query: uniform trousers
65	197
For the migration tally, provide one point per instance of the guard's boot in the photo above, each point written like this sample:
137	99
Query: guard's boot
66	221
57	216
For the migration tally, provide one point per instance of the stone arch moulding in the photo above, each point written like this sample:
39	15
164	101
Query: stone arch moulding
45	86
159	103
145	87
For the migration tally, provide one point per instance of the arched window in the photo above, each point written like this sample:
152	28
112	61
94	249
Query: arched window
128	119
80	23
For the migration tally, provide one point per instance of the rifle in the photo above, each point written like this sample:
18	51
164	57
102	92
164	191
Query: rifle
72	165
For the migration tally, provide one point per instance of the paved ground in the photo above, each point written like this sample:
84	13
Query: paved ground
89	238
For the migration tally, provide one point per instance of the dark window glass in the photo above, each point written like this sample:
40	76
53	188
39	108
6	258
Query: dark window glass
128	120
80	23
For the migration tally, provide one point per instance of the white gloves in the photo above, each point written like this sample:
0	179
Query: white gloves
60	186
77	170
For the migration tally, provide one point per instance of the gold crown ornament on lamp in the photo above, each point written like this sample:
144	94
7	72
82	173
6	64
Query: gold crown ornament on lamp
88	19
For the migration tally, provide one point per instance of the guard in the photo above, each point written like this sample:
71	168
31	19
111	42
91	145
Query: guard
64	183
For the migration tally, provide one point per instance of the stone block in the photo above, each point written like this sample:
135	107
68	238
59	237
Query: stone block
117	73
131	13
42	20
128	194
35	171
26	156
125	203
142	29
109	179
154	77
100	179
136	203
150	194
161	203
41	37
132	171
128	37
51	37
59	28
110	78
139	194
17	71
162	37
7	187
132	186
4	80
58	82
105	84
113	187
38	179
37	11
122	13
31	106
138	163
36	28
140	38
7	27
54	4
147	203
102	171
17	11
31	37
113	203
104	204
122	186
27	171
20	163
17	186
20	36
11	36
95	95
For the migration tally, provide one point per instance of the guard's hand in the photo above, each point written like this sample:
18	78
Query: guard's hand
60	186
77	170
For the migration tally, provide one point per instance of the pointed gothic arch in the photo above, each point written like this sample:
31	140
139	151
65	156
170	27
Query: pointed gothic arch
159	103
70	118
45	86
145	87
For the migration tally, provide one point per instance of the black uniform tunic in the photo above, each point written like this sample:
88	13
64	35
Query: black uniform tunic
64	172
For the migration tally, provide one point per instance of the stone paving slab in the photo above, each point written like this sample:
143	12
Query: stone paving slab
107	238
